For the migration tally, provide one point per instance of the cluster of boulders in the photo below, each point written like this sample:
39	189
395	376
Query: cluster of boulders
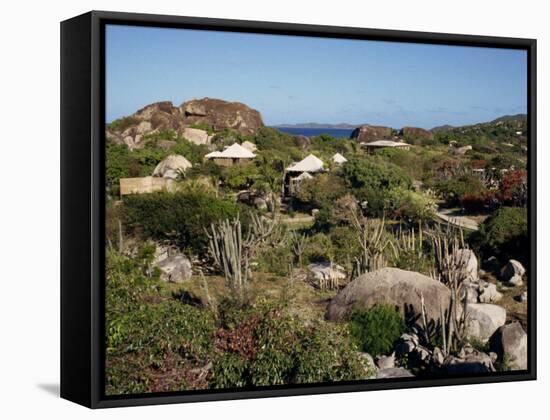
183	120
484	320
174	266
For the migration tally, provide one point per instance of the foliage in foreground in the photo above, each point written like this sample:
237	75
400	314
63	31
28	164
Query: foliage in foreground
156	343
376	330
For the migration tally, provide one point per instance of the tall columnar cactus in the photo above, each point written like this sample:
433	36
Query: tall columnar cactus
450	270
232	251
372	240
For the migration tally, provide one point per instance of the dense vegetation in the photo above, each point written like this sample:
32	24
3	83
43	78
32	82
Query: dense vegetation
370	212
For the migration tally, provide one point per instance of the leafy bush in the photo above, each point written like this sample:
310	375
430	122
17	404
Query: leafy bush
407	204
276	260
322	190
122	124
454	188
181	217
271	347
149	335
504	235
371	179
376	330
318	249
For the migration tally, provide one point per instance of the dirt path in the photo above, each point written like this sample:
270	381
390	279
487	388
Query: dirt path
454	217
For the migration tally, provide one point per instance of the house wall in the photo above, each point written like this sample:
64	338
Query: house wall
144	185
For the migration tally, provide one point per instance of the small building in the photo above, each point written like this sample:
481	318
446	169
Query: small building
339	159
144	185
298	172
381	144
233	155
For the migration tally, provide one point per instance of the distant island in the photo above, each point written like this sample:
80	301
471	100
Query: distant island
341	126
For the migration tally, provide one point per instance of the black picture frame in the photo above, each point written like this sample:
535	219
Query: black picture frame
83	215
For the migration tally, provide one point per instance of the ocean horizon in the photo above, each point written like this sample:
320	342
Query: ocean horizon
312	132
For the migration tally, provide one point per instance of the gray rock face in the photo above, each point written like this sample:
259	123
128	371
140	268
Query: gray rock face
468	261
396	372
385	362
475	362
319	272
483	319
196	136
391	286
172	166
509	342
367	133
513	273
175	268
488	293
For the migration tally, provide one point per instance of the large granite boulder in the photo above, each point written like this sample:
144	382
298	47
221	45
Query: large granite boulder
131	130
391	286
220	114
175	268
367	133
165	117
488	293
513	272
196	135
483	319
416	133
395	372
468	261
509	342
325	271
472	363
302	142
172	166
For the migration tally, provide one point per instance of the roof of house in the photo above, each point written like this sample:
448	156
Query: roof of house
338	158
309	164
235	151
385	143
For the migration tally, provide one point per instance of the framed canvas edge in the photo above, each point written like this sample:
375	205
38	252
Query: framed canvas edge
97	95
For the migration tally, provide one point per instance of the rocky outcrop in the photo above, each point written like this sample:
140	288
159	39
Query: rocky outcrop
302	142
488	293
367	133
396	372
468	262
172	166
196	135
512	273
416	133
322	272
220	114
509	342
391	286
483	319
164	116
469	362
175	268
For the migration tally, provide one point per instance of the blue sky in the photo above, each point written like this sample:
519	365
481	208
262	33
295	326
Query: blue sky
300	79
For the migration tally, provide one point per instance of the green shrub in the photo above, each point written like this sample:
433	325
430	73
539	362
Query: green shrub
122	124
271	347
318	249
181	217
504	235
148	333
322	190
276	260
376	330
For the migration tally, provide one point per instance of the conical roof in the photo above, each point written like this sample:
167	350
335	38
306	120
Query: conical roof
338	158
309	164
235	151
